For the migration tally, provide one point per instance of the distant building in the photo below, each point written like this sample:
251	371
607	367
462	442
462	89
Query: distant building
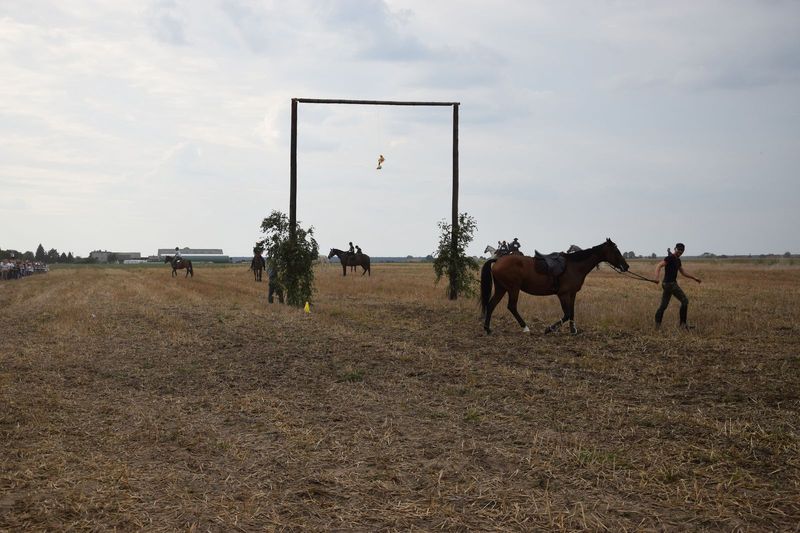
199	255
102	255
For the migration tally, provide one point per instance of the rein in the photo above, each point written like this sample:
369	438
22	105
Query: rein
633	274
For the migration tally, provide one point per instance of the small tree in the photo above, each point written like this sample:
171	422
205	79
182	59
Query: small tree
40	253
293	261
455	263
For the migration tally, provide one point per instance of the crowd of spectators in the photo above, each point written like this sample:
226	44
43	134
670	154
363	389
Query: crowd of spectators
16	268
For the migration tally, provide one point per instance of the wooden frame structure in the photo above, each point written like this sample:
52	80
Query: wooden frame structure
293	161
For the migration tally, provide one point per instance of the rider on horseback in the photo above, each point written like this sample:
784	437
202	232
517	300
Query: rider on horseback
502	248
176	259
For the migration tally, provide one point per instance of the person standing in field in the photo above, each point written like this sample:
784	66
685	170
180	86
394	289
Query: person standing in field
274	284
672	265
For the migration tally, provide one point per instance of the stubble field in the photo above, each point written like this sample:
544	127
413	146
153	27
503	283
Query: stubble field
129	400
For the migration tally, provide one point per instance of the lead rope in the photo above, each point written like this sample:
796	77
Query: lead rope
633	274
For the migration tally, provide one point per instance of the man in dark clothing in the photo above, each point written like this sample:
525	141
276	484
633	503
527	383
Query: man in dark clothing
514	246
274	285
351	251
672	265
358	250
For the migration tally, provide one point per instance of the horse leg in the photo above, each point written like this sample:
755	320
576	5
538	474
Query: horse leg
555	326
499	292
573	329
513	297
568	306
344	269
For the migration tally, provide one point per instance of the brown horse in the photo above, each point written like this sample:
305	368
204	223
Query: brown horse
257	265
514	273
180	263
351	260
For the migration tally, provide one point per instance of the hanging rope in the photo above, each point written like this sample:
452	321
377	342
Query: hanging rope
381	159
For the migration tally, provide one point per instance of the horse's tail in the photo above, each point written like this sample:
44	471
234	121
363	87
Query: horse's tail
486	285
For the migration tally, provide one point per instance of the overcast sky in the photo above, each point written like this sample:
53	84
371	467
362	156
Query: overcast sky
136	125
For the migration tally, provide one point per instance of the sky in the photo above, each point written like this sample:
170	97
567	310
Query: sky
135	125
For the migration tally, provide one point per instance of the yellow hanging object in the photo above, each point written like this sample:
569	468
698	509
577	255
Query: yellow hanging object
380	161
307	308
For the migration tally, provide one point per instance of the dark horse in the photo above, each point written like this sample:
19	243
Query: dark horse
353	260
257	265
181	263
514	273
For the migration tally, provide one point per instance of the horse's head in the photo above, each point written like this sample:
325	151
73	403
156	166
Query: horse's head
332	253
613	256
168	259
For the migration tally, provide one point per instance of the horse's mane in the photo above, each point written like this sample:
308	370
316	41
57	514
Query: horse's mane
580	255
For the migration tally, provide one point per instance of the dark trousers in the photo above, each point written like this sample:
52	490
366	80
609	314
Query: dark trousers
274	288
670	289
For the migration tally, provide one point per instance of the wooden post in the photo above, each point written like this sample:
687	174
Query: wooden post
293	163
293	175
454	241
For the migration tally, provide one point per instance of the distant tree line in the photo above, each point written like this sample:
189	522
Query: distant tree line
51	256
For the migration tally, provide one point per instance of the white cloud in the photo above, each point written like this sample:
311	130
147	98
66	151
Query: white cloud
113	113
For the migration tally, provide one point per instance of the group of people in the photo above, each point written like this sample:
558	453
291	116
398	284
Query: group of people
504	248
671	265
354	251
16	268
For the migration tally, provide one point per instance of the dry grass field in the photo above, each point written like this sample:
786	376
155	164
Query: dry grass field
132	400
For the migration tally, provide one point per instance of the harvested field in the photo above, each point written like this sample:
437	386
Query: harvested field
129	399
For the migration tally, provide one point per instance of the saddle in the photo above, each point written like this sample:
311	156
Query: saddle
552	264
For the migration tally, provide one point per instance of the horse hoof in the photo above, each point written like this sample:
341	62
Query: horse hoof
526	329
548	331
